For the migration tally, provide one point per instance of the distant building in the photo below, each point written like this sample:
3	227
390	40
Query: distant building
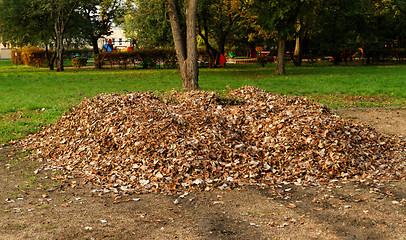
118	40
5	53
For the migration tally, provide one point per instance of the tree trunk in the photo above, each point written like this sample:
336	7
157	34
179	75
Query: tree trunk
212	53
95	45
62	16
221	45
337	58
297	56
50	59
59	33
280	66
59	50
186	50
213	56
191	61
297	47
177	36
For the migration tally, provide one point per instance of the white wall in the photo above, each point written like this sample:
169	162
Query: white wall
116	35
5	53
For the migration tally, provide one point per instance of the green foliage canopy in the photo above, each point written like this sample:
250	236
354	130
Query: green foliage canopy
147	21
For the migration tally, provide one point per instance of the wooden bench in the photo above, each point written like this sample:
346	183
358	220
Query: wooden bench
244	60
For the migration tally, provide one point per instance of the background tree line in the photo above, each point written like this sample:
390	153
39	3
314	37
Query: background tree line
51	24
303	27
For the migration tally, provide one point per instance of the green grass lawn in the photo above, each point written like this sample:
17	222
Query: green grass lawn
31	98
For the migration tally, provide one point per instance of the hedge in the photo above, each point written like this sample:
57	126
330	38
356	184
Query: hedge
146	58
31	56
72	53
34	56
78	62
16	57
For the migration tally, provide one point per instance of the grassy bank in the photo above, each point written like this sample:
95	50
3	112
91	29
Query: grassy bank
31	97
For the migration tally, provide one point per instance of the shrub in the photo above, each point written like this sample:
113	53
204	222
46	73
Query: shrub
146	58
72	53
78	62
16	57
98	60
262	60
401	54
33	56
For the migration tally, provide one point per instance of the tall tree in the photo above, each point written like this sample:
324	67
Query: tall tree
185	46
217	20
400	5
279	19
24	23
62	11
345	25
27	23
40	22
305	28
147	21
96	18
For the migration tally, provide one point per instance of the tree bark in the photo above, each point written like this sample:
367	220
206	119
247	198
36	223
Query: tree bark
95	45
191	43
297	56
186	50
59	50
50	59
222	28
337	58
297	47
211	52
59	32
62	17
280	66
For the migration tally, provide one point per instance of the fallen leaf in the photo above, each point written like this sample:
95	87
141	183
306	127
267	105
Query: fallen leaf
203	141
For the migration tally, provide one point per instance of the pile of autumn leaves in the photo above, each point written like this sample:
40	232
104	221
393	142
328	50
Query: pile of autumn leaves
202	141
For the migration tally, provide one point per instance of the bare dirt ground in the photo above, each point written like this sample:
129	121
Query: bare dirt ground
38	206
